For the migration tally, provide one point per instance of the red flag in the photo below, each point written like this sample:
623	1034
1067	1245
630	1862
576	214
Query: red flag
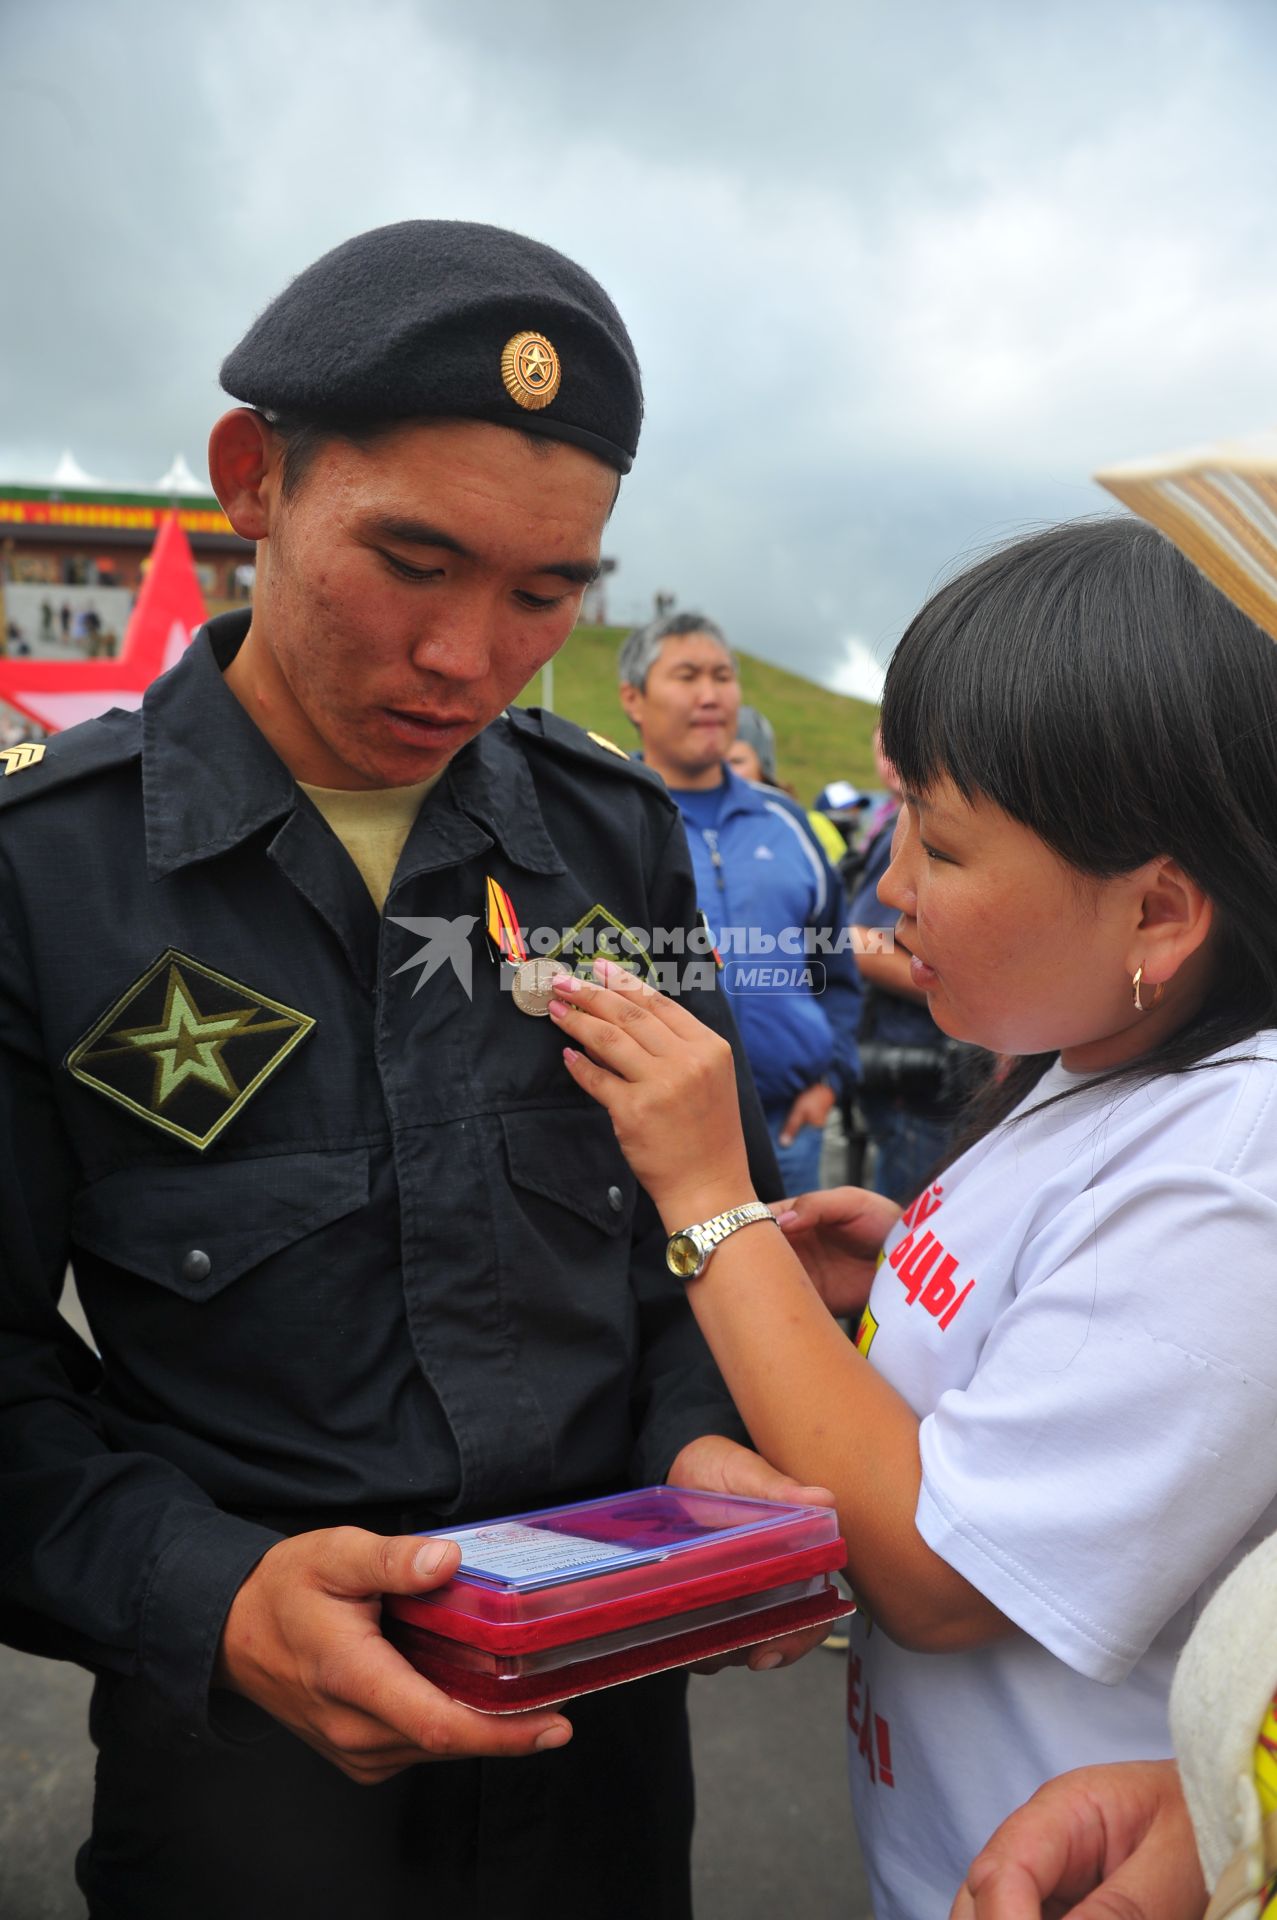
58	693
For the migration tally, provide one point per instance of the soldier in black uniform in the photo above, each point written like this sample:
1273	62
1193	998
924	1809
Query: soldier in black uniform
357	1256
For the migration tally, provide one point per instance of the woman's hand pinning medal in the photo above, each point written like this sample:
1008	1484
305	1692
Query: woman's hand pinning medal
668	1084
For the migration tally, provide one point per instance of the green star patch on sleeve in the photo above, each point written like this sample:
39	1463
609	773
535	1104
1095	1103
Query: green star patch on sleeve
184	1048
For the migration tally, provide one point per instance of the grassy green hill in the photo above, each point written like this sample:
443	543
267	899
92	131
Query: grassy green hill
820	736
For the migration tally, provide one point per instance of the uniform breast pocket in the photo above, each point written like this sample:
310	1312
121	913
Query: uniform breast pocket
566	1245
195	1230
566	1157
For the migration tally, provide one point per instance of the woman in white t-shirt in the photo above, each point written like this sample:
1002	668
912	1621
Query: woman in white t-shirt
1054	1434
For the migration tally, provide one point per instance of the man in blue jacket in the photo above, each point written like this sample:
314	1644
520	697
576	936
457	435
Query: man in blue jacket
773	903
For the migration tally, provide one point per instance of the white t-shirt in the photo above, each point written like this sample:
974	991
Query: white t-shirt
1083	1313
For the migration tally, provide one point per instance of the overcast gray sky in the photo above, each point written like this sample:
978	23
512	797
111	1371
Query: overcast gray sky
900	275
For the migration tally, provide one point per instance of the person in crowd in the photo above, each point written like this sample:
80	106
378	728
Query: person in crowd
356	1262
1109	1842
1043	1443
752	755
773	904
842	810
911	1075
1147	1839
1121	1832
887	805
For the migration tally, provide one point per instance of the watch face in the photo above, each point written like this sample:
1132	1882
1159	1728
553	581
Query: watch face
683	1256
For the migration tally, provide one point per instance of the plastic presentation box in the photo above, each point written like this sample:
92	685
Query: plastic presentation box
548	1605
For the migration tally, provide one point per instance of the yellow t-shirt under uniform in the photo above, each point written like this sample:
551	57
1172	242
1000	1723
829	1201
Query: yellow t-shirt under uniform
372	824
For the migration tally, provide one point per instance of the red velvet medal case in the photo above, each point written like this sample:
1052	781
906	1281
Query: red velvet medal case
564	1601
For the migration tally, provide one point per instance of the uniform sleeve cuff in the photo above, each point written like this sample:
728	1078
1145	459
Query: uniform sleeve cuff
656	1453
188	1597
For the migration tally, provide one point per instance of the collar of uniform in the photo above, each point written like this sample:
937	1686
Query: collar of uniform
489	785
210	778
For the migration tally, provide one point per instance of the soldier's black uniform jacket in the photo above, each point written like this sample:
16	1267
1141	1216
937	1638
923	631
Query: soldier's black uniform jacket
389	1267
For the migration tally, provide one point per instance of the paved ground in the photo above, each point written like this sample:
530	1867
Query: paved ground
773	1833
774	1839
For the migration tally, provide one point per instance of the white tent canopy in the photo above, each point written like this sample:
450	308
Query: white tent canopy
179	478
69	473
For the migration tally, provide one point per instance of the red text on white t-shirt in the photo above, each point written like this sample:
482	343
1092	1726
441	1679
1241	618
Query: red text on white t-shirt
924	1268
924	1206
873	1735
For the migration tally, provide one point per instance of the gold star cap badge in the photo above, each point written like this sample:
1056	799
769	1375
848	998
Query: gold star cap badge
530	370
185	1048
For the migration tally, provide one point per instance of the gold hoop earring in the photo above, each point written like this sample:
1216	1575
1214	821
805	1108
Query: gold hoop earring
1137	980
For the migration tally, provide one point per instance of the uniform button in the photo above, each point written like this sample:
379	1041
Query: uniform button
615	1199
196	1266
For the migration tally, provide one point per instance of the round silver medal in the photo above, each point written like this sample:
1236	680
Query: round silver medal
533	990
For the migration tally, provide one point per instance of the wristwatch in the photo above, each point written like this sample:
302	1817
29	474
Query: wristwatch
687	1250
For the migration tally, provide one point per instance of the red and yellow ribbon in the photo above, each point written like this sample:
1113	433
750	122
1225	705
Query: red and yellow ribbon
503	924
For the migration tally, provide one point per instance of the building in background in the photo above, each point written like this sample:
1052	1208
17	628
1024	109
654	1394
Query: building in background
79	546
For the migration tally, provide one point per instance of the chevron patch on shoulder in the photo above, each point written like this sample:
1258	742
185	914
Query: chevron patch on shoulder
29	754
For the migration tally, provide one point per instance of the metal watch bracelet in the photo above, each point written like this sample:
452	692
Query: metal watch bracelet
687	1251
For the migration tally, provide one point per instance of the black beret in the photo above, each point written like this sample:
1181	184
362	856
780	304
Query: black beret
443	318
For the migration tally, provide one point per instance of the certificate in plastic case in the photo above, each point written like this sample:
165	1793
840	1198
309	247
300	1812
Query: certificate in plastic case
564	1601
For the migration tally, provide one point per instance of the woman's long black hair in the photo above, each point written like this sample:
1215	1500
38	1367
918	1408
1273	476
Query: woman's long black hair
1095	686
